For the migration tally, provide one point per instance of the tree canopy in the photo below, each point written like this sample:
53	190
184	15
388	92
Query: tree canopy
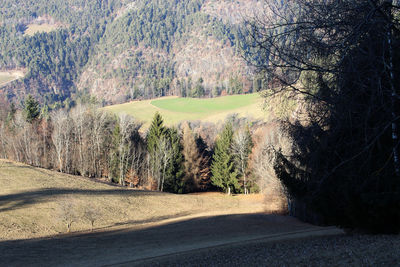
340	57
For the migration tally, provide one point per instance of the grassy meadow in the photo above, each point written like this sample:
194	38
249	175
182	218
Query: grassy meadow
176	109
34	201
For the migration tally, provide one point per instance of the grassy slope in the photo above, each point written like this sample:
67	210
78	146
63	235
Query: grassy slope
30	201
174	109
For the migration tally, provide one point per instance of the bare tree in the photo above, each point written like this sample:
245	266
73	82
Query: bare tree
67	212
241	148
3	140
264	158
127	130
192	158
62	137
91	214
81	126
164	155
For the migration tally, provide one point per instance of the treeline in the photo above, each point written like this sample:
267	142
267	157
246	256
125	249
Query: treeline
89	142
343	167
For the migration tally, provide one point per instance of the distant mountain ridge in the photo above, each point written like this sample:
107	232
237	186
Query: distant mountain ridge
119	50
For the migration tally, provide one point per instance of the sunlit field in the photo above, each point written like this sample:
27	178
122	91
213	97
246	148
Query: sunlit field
176	109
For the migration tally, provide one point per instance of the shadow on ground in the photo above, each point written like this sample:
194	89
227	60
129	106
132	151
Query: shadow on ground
24	199
130	245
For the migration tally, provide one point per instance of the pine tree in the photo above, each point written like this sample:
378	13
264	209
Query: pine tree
156	131
174	180
31	109
222	168
156	136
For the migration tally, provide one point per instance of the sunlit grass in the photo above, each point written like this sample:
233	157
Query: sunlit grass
175	109
35	28
30	201
5	78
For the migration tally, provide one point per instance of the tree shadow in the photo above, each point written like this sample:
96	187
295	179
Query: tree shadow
24	199
129	245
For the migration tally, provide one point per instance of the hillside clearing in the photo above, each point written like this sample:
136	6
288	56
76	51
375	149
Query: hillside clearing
32	201
176	109
9	76
32	29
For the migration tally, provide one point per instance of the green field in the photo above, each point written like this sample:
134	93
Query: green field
175	109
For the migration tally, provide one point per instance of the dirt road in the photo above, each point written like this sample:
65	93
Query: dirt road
139	244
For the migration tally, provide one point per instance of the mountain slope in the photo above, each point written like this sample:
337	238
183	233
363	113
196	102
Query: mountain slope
118	50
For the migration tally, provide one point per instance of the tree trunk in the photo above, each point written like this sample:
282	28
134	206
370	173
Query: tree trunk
394	97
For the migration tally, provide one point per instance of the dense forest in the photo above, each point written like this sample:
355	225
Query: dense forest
138	49
340	59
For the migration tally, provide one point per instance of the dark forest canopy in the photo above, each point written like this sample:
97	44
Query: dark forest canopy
342	58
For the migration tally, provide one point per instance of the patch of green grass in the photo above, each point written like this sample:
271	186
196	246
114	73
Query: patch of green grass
175	109
203	106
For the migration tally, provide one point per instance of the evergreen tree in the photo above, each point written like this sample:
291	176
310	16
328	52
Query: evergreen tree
31	109
174	180
156	131
222	168
156	137
198	90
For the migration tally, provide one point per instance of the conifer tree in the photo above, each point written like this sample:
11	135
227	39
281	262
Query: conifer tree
174	181
156	131
222	168
31	109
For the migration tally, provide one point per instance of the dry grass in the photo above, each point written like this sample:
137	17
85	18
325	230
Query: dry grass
9	76
37	28
32	200
338	250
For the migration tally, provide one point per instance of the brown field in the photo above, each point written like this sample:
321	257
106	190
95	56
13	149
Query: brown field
9	76
32	200
143	228
35	28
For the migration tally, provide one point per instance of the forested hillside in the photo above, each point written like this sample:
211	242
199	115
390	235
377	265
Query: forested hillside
117	50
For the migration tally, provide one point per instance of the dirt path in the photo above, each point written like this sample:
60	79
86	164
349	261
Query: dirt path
135	245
